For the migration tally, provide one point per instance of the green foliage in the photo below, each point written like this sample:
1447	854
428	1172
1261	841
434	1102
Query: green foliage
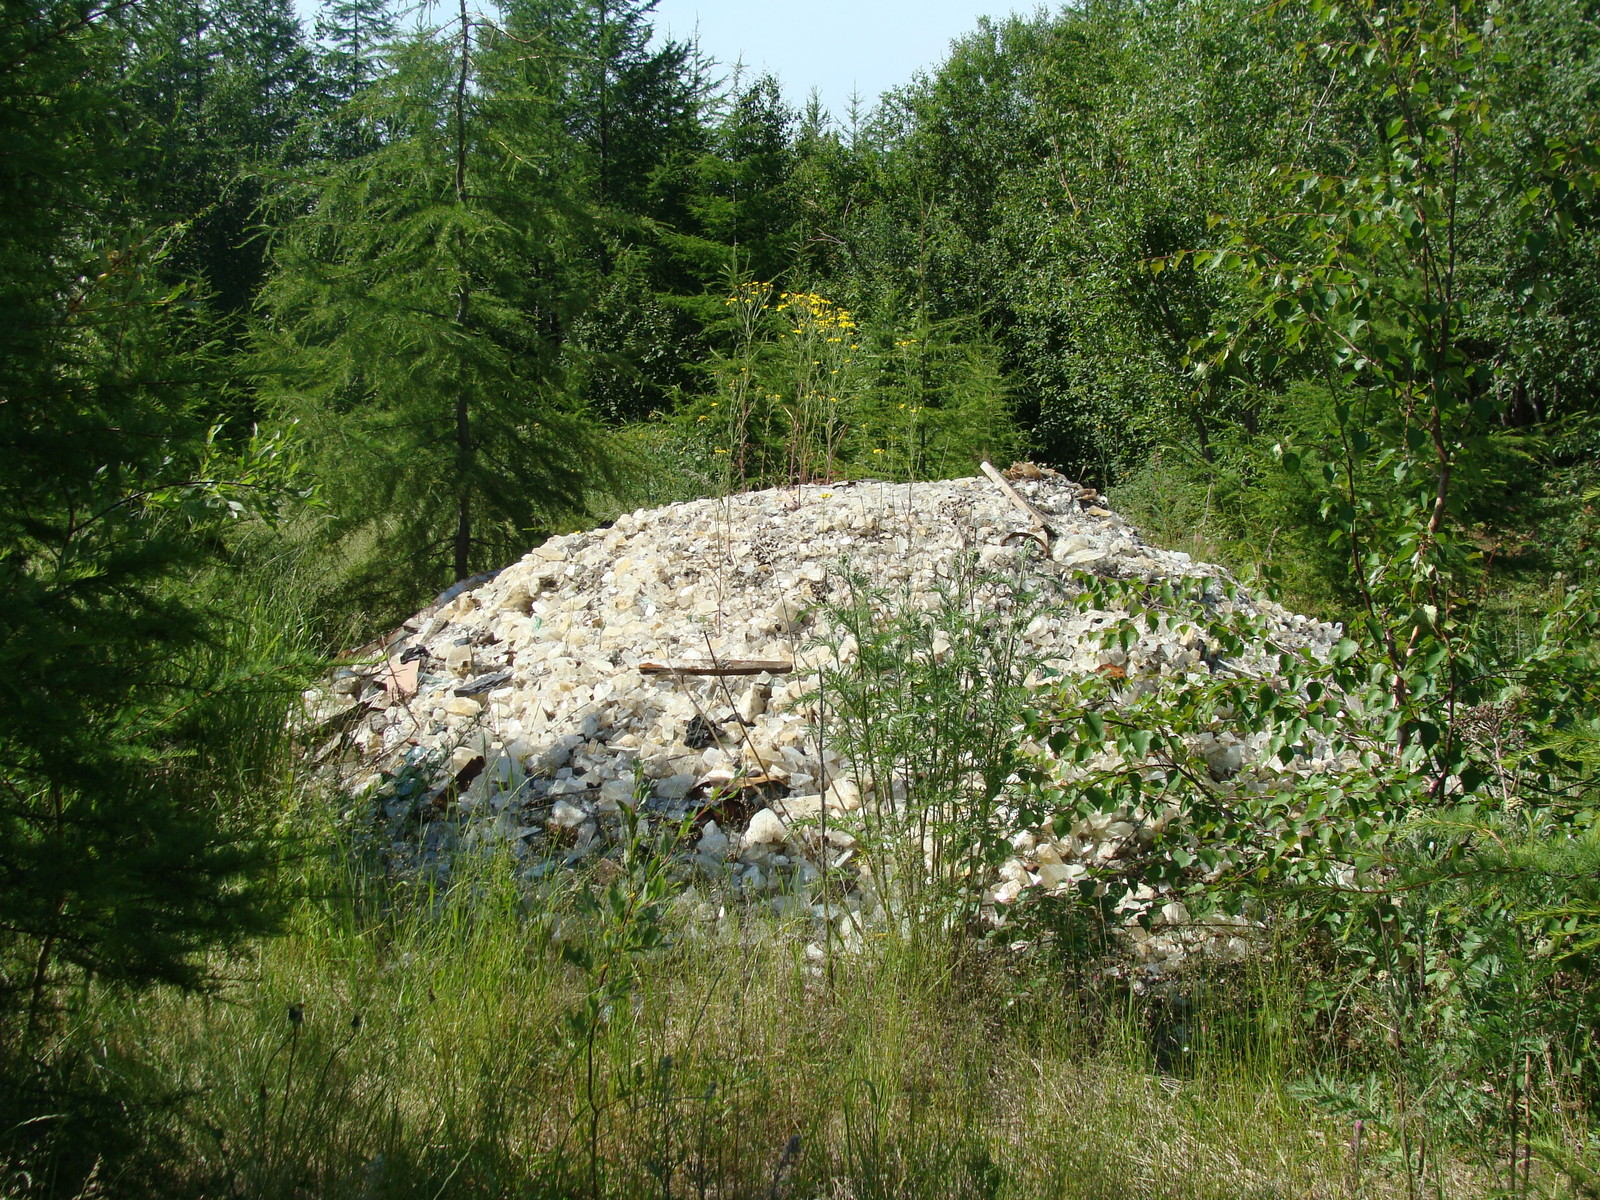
1334	262
414	322
624	922
806	395
927	705
910	1071
742	202
1027	184
222	89
1056	175
939	403
119	859
1369	284
1406	796
630	104
787	396
353	36
1437	852
145	693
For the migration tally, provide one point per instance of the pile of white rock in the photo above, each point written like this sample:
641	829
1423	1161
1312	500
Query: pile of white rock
665	665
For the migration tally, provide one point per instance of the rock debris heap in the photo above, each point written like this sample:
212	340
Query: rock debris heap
667	662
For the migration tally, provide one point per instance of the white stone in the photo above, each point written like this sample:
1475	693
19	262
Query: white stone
752	576
766	828
565	815
753	703
673	787
843	796
614	793
1057	875
799	808
1174	912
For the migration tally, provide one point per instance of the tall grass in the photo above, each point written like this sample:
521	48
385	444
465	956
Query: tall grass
733	1069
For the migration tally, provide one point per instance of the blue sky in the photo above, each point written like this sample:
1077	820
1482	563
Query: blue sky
832	45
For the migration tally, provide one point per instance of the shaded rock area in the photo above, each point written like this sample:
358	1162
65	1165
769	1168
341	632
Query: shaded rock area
666	665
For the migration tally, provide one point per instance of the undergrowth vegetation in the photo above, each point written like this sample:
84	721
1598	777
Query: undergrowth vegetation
447	1046
1415	1015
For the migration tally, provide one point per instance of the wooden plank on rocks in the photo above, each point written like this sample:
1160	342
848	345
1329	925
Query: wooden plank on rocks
1033	514
728	666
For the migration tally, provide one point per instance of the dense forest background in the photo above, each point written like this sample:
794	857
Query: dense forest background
299	326
443	286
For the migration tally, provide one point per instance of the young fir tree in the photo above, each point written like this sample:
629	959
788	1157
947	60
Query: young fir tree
353	35
415	322
631	104
633	110
117	859
744	206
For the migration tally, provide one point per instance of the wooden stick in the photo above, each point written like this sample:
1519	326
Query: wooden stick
732	666
1033	514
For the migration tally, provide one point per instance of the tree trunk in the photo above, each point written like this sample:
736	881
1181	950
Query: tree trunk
604	53
464	448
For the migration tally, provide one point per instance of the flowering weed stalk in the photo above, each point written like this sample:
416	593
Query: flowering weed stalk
805	395
818	355
738	387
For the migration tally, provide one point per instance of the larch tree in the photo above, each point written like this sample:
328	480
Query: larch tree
416	320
